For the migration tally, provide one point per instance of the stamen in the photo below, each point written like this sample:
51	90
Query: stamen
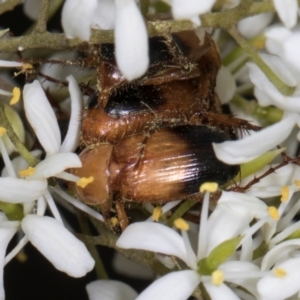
27	172
217	277
208	187
273	212
280	272
285	192
157	212
84	181
2	131
297	182
114	221
181	224
16	96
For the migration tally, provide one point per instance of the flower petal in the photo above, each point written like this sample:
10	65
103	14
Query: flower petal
110	290
160	238
273	287
173	286
104	16
41	117
131	40
190	9
241	151
55	164
6	235
71	140
77	18
220	292
287	11
253	26
58	245
225	86
15	190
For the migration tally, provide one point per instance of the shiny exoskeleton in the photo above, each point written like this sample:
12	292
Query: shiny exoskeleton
150	140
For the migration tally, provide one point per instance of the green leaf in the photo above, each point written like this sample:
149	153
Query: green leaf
217	256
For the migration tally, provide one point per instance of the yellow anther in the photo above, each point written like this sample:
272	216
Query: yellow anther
273	212
285	192
84	181
181	224
297	182
217	277
208	187
280	272
157	212
22	257
27	172
260	44
27	66
16	96
114	221
2	131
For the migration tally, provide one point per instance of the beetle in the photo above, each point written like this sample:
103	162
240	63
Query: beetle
150	140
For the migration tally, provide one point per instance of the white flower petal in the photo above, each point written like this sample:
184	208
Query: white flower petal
72	138
253	26
189	9
55	164
245	150
77	18
6	235
287	11
32	8
226	86
104	16
273	287
173	286
41	117
273	256
220	292
131	40
58	245
223	224
160	238
14	190
110	290
10	64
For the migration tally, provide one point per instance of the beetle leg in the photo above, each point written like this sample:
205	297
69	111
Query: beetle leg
122	216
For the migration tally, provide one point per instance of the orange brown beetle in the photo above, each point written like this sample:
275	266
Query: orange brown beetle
150	140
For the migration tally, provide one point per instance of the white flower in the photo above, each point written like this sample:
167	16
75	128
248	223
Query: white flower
287	11
190	9
48	235
254	145
284	42
131	40
253	26
283	280
180	285
110	290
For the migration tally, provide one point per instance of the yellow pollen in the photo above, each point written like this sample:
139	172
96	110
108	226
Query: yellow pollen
2	131
208	187
27	172
280	272
157	212
114	221
273	212
217	277
297	182
84	181
16	96
27	66
181	224
22	257
285	192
